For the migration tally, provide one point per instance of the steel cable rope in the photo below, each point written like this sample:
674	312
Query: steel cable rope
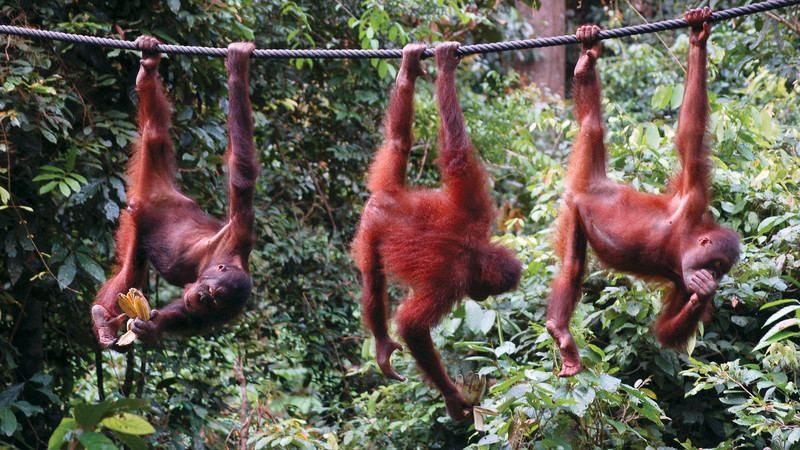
716	16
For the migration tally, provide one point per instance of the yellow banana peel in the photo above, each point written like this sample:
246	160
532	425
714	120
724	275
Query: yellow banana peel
128	337
141	305
134	305
126	304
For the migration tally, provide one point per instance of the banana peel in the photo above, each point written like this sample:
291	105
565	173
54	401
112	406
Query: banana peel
134	305
473	387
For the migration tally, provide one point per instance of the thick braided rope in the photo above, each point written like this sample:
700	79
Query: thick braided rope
386	53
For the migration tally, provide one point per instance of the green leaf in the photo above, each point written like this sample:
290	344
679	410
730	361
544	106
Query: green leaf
383	68
651	136
609	383
472	315
91	267
63	188
88	415
783	312
766	125
128	423
67	271
767	224
775	337
48	187
133	442
47	176
373	400
636	135
42	89
79	177
582	401
26	408
57	438
49	135
112	210
8	423
661	97
508	347
174	5
96	441
776	303
487	321
73	153
73	184
677	96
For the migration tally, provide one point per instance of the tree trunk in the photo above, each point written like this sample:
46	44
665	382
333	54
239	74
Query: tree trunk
548	68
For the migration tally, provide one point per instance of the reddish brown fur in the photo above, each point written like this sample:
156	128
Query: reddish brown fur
669	237
435	242
164	227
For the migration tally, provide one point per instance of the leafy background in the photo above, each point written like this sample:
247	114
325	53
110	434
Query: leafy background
298	370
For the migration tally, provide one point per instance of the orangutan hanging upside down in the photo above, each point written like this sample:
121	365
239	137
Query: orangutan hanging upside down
434	241
163	226
671	237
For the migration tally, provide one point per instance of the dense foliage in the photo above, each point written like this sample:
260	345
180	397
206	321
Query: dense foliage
298	370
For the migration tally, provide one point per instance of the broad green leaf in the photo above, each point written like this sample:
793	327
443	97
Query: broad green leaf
26	408
783	312
373	400
472	315
49	135
73	184
609	383
67	271
91	267
775	335
690	344
71	155
767	224
132	441
128	423
88	415
47	176
766	125
8	422
487	321
112	210
81	179
583	399
48	187
777	302
652	136
636	136
661	97
57	438
382	69
677	96
508	347
96	441
42	89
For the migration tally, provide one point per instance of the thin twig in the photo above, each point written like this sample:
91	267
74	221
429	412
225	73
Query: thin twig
794	27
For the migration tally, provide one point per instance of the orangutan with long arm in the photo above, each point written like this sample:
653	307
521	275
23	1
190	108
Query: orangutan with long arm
168	229
434	241
671	236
